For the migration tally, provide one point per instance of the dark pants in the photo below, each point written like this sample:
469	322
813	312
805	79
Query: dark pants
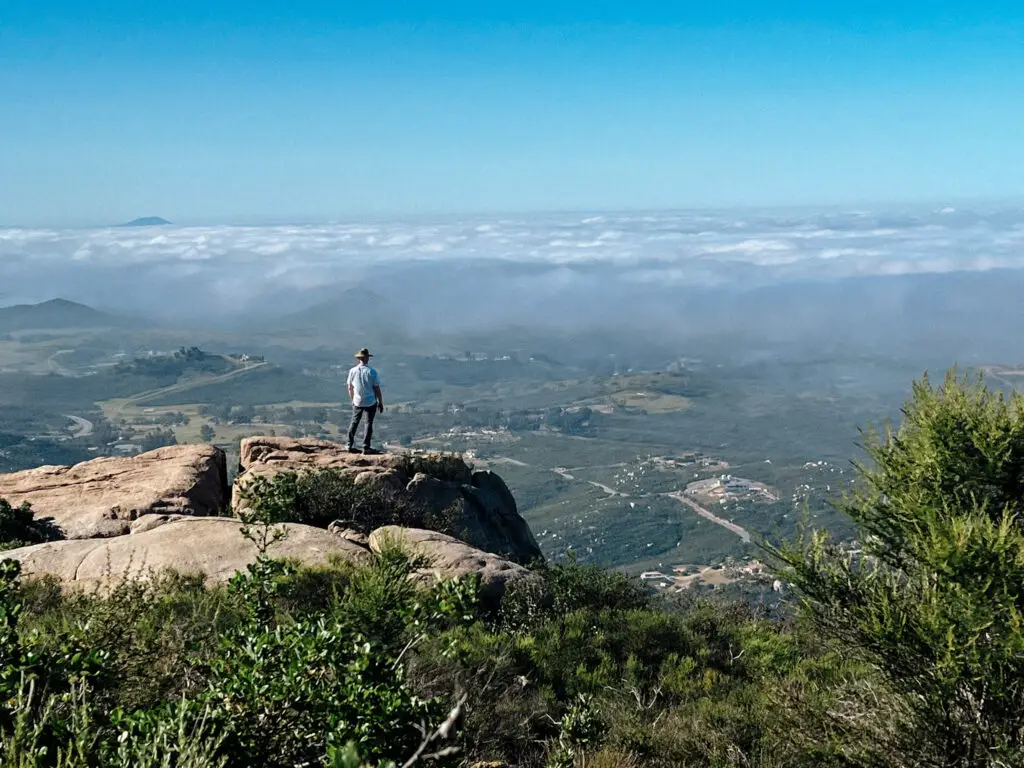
357	416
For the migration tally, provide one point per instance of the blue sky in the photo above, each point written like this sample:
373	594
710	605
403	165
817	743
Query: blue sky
229	111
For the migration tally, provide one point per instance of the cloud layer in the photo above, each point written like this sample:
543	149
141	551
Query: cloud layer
229	270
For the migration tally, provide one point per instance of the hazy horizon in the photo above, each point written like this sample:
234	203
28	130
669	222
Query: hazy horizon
906	278
242	219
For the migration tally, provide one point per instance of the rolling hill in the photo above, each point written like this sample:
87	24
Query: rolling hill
351	308
56	313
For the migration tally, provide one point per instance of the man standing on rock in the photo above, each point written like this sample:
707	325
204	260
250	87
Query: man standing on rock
364	389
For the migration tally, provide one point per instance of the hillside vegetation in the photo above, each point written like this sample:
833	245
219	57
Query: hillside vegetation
124	379
904	650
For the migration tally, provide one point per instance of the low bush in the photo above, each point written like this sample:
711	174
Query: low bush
448	467
353	665
566	587
321	497
20	527
167	672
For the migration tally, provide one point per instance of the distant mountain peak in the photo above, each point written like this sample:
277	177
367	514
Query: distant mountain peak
58	302
146	221
53	314
50	304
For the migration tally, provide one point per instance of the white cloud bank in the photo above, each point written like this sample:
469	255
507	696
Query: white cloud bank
232	269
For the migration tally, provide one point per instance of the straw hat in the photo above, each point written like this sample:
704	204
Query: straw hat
363	353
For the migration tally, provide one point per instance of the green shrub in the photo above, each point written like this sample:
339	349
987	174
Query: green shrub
179	733
295	692
321	497
693	684
566	587
40	705
934	598
448	467
163	671
357	676
19	527
150	630
581	728
240	687
29	738
286	695
12	654
314	590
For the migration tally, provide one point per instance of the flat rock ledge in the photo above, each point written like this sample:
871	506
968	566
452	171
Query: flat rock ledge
213	546
101	498
126	518
216	548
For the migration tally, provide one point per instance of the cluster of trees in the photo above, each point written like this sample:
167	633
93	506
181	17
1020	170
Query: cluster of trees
158	438
231	413
190	354
168	419
903	649
226	413
574	421
170	367
310	414
19	452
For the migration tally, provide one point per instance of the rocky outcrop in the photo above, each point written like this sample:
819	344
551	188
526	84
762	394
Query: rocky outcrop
268	456
482	509
450	558
216	548
101	498
213	546
123	518
484	513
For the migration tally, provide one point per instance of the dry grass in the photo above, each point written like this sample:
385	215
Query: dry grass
651	402
608	758
226	434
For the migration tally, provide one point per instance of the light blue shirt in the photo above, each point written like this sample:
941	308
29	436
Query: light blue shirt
363	379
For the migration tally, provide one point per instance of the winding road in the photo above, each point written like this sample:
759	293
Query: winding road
564	473
55	367
680	496
83	427
999	374
142	397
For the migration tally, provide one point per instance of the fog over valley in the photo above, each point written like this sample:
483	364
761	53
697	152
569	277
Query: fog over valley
945	278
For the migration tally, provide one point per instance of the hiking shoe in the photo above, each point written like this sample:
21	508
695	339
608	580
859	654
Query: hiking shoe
370	451
351	449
